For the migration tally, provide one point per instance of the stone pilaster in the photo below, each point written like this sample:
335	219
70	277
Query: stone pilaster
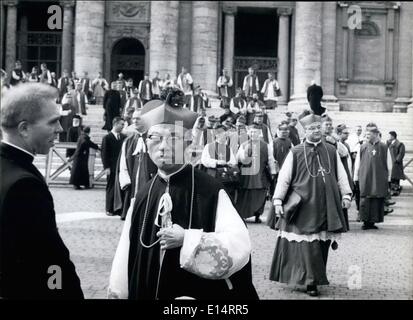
2	28
67	35
163	45
410	106
328	56
343	78
307	55
283	52
405	61
205	43
229	38
89	37
22	50
11	34
184	35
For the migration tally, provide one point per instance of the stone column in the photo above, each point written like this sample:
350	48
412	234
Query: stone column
283	53
229	38
184	35
405	61
11	35
328	56
205	43
67	35
89	37
307	55
163	45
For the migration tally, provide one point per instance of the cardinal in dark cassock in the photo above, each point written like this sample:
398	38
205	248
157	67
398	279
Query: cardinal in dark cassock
311	190
372	173
184	236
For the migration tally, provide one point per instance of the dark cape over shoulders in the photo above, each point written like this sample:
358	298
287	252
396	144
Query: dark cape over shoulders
146	281
320	209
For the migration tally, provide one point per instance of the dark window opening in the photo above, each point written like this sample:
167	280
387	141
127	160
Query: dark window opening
36	43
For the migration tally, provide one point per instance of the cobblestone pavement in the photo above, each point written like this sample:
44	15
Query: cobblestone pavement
374	264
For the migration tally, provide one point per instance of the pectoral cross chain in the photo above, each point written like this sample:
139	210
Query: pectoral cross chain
321	170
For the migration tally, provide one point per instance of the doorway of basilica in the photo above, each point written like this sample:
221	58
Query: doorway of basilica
128	57
256	43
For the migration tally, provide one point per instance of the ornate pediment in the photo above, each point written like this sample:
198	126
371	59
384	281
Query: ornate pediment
134	11
129	10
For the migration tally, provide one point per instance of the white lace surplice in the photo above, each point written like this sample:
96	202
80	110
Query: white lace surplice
210	255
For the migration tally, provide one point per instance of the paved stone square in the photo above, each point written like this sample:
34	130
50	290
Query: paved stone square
376	264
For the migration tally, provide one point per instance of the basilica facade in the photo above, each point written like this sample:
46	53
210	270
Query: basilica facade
360	52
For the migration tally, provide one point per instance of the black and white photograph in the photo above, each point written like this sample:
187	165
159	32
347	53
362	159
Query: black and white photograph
193	151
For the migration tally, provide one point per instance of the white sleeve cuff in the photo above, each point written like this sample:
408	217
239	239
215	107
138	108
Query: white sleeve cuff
192	238
124	179
277	202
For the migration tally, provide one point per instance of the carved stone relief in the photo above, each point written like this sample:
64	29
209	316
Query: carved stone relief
136	11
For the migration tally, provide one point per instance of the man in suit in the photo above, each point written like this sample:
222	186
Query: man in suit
111	148
186	84
79	100
251	84
224	85
156	86
34	261
397	152
63	83
145	89
85	81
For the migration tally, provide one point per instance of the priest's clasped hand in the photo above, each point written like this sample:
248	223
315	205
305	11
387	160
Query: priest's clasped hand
171	237
279	211
345	203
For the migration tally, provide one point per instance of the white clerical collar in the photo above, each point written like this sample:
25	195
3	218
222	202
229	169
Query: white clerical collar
166	177
21	149
314	143
393	142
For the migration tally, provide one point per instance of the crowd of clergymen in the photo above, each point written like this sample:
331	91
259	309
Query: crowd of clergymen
220	145
224	147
